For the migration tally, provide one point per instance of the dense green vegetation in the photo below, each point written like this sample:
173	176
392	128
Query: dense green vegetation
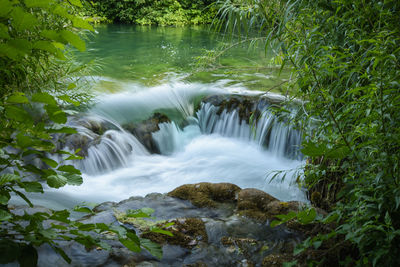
345	57
36	95
159	12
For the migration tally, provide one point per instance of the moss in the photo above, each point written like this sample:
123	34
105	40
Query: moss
139	223
206	194
277	260
187	233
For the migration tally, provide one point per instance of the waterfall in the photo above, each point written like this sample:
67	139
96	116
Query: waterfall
267	131
104	145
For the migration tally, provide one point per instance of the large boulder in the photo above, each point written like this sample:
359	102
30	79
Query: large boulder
206	194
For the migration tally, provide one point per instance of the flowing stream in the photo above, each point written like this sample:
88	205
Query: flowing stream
197	145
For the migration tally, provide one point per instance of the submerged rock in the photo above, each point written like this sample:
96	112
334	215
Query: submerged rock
143	131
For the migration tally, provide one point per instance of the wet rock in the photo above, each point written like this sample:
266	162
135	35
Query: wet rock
254	203
206	194
143	131
187	233
276	260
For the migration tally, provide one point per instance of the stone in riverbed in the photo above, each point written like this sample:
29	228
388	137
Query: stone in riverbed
276	260
187	233
206	194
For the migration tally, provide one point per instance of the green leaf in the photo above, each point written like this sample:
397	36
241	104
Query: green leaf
73	39
61	216
307	216
6	7
45	46
24	198
83	209
76	3
130	244
50	162
312	150
81	23
22	20
8	177
142	213
38	3
160	231
44	98
34	187
275	223
18	98
9	250
48	233
28	256
17	113
56	114
4	30
87	227
153	248
289	264
74	179
56	181
70	169
66	98
4	215
62	254
4	197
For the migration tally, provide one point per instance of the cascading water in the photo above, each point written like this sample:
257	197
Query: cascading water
279	138
209	148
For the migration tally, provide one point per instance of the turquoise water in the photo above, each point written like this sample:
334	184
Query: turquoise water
154	55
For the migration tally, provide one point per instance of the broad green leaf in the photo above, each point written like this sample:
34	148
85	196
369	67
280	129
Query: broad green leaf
56	114
28	256
74	179
62	254
8	177
130	244
275	223
4	197
81	23
9	250
48	233
87	227
45	98
160	231
9	51
338	153
61	216
52	35
73	39
76	3
45	46
83	209
38	3
4	215
312	150
18	98
153	248
6	7
50	162
56	181
4	31
62	12
24	198
34	187
307	216
69	168
22	20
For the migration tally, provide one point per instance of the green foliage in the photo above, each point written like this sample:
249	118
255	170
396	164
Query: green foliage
35	93
165	12
345	59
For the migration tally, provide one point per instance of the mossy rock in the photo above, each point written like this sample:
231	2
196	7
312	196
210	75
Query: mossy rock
206	194
253	203
277	260
143	130
187	233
